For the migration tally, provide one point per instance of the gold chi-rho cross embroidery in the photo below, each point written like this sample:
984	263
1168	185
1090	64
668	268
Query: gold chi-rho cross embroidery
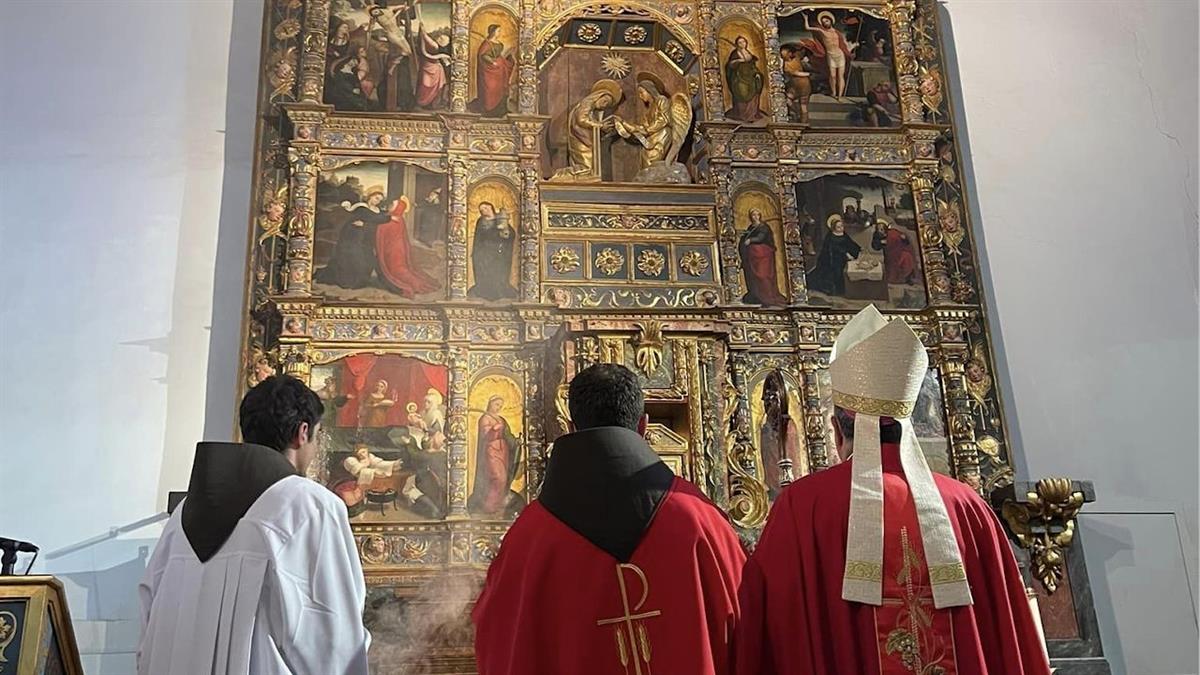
633	641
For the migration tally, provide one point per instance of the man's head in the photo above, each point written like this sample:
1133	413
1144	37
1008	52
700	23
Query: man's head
607	395
843	431
283	414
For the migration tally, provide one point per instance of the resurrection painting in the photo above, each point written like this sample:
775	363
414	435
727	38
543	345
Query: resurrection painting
381	232
385	445
837	68
860	232
388	56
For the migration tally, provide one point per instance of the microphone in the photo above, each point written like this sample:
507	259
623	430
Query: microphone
9	548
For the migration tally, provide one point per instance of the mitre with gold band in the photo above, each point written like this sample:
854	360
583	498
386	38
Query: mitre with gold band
876	369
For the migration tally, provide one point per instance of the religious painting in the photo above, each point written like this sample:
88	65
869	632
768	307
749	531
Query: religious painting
744	70
385	444
388	56
619	107
861	243
760	246
837	68
495	461
493	234
380	233
493	64
775	419
929	422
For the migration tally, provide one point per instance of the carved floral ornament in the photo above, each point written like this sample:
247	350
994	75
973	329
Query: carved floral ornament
694	263
565	260
651	262
609	261
1044	524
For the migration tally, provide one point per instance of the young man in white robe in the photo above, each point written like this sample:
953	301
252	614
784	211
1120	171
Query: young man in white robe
257	571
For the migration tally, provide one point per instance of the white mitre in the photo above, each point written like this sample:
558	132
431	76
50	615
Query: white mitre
877	369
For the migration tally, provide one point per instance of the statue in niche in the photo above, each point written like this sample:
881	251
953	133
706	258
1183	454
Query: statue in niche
770	432
665	124
586	124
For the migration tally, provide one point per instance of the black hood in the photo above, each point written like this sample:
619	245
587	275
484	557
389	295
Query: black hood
606	484
227	478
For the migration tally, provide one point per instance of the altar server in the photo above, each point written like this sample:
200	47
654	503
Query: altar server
619	567
876	565
257	572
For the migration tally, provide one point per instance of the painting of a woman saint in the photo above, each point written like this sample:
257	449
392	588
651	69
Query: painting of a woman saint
492	255
838	249
757	248
899	259
354	260
745	81
396	269
497	456
433	77
494	69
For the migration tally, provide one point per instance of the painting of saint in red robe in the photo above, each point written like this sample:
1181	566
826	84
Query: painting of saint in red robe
497	454
757	249
493	72
394	249
899	258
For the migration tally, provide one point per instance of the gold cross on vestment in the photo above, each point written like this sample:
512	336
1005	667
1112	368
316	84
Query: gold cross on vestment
632	637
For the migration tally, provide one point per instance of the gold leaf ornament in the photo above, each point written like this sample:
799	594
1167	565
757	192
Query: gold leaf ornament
609	261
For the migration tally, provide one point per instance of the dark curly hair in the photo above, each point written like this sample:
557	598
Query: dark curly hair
606	395
889	429
271	412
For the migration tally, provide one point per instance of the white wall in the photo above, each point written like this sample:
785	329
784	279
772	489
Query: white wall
1082	123
127	130
115	148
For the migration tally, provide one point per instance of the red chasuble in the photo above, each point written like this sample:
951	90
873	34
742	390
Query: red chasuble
557	604
794	620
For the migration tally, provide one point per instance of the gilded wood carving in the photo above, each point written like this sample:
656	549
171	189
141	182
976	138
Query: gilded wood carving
460	204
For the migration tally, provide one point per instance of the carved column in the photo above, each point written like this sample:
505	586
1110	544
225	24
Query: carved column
527	72
770	22
710	62
900	13
302	158
792	236
937	277
815	442
456	422
535	430
531	226
312	61
748	504
731	262
460	30
964	450
456	247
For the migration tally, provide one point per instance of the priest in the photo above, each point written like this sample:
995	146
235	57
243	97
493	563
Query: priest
619	567
257	572
876	565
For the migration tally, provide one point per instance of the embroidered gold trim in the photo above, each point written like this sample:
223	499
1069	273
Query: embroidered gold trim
874	406
861	570
947	574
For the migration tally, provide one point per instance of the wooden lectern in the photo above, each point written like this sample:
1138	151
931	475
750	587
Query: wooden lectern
36	637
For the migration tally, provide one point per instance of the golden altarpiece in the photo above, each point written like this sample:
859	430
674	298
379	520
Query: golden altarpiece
461	204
